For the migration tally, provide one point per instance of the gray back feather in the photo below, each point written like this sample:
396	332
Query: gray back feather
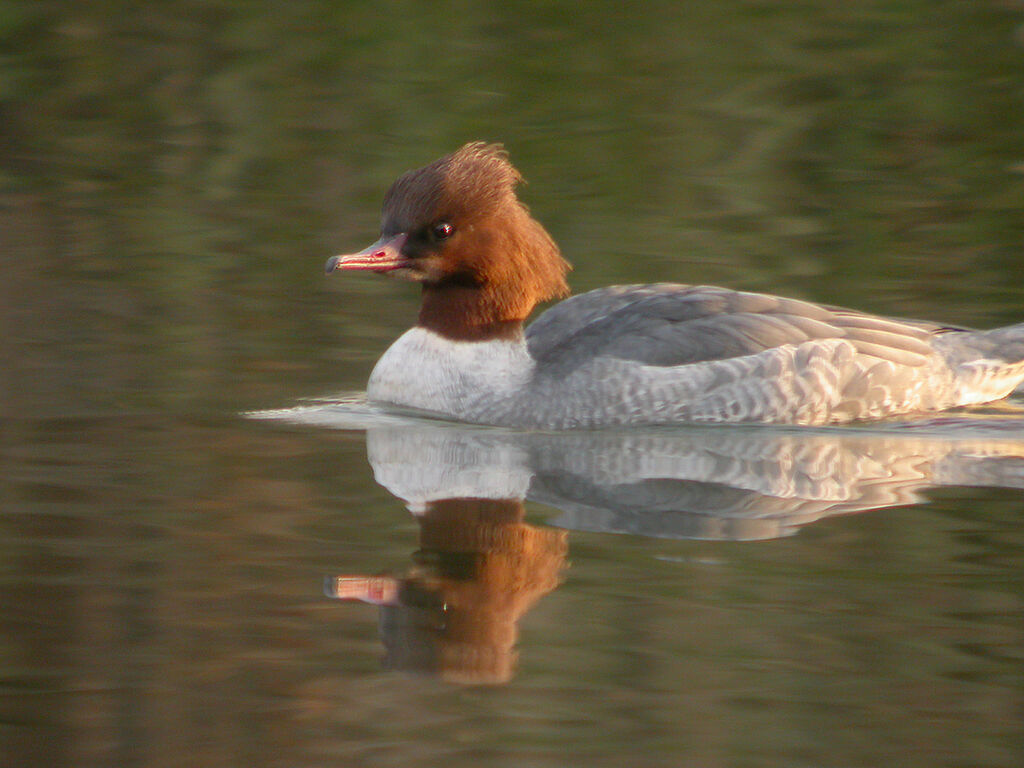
669	325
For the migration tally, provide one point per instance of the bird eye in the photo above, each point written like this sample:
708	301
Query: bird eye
443	231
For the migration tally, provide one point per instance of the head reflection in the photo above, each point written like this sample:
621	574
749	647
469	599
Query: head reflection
455	612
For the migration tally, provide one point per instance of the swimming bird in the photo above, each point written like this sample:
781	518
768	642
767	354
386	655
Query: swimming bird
633	354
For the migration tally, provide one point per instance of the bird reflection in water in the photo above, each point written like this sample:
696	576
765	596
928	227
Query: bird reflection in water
481	567
478	570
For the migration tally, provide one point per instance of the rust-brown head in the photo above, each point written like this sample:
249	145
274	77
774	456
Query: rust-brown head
457	227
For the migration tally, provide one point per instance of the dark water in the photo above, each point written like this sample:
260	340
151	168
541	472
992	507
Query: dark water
173	176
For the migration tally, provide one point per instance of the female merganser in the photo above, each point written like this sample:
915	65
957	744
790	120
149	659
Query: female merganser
636	354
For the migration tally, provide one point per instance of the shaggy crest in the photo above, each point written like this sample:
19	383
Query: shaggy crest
475	179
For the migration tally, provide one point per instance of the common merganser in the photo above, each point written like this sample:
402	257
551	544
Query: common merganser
634	354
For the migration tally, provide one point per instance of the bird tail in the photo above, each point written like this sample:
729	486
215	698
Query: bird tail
992	361
1003	343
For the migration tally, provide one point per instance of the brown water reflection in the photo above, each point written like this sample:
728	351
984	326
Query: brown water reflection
478	570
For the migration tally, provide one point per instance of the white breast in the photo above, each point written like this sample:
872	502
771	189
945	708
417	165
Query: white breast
468	380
